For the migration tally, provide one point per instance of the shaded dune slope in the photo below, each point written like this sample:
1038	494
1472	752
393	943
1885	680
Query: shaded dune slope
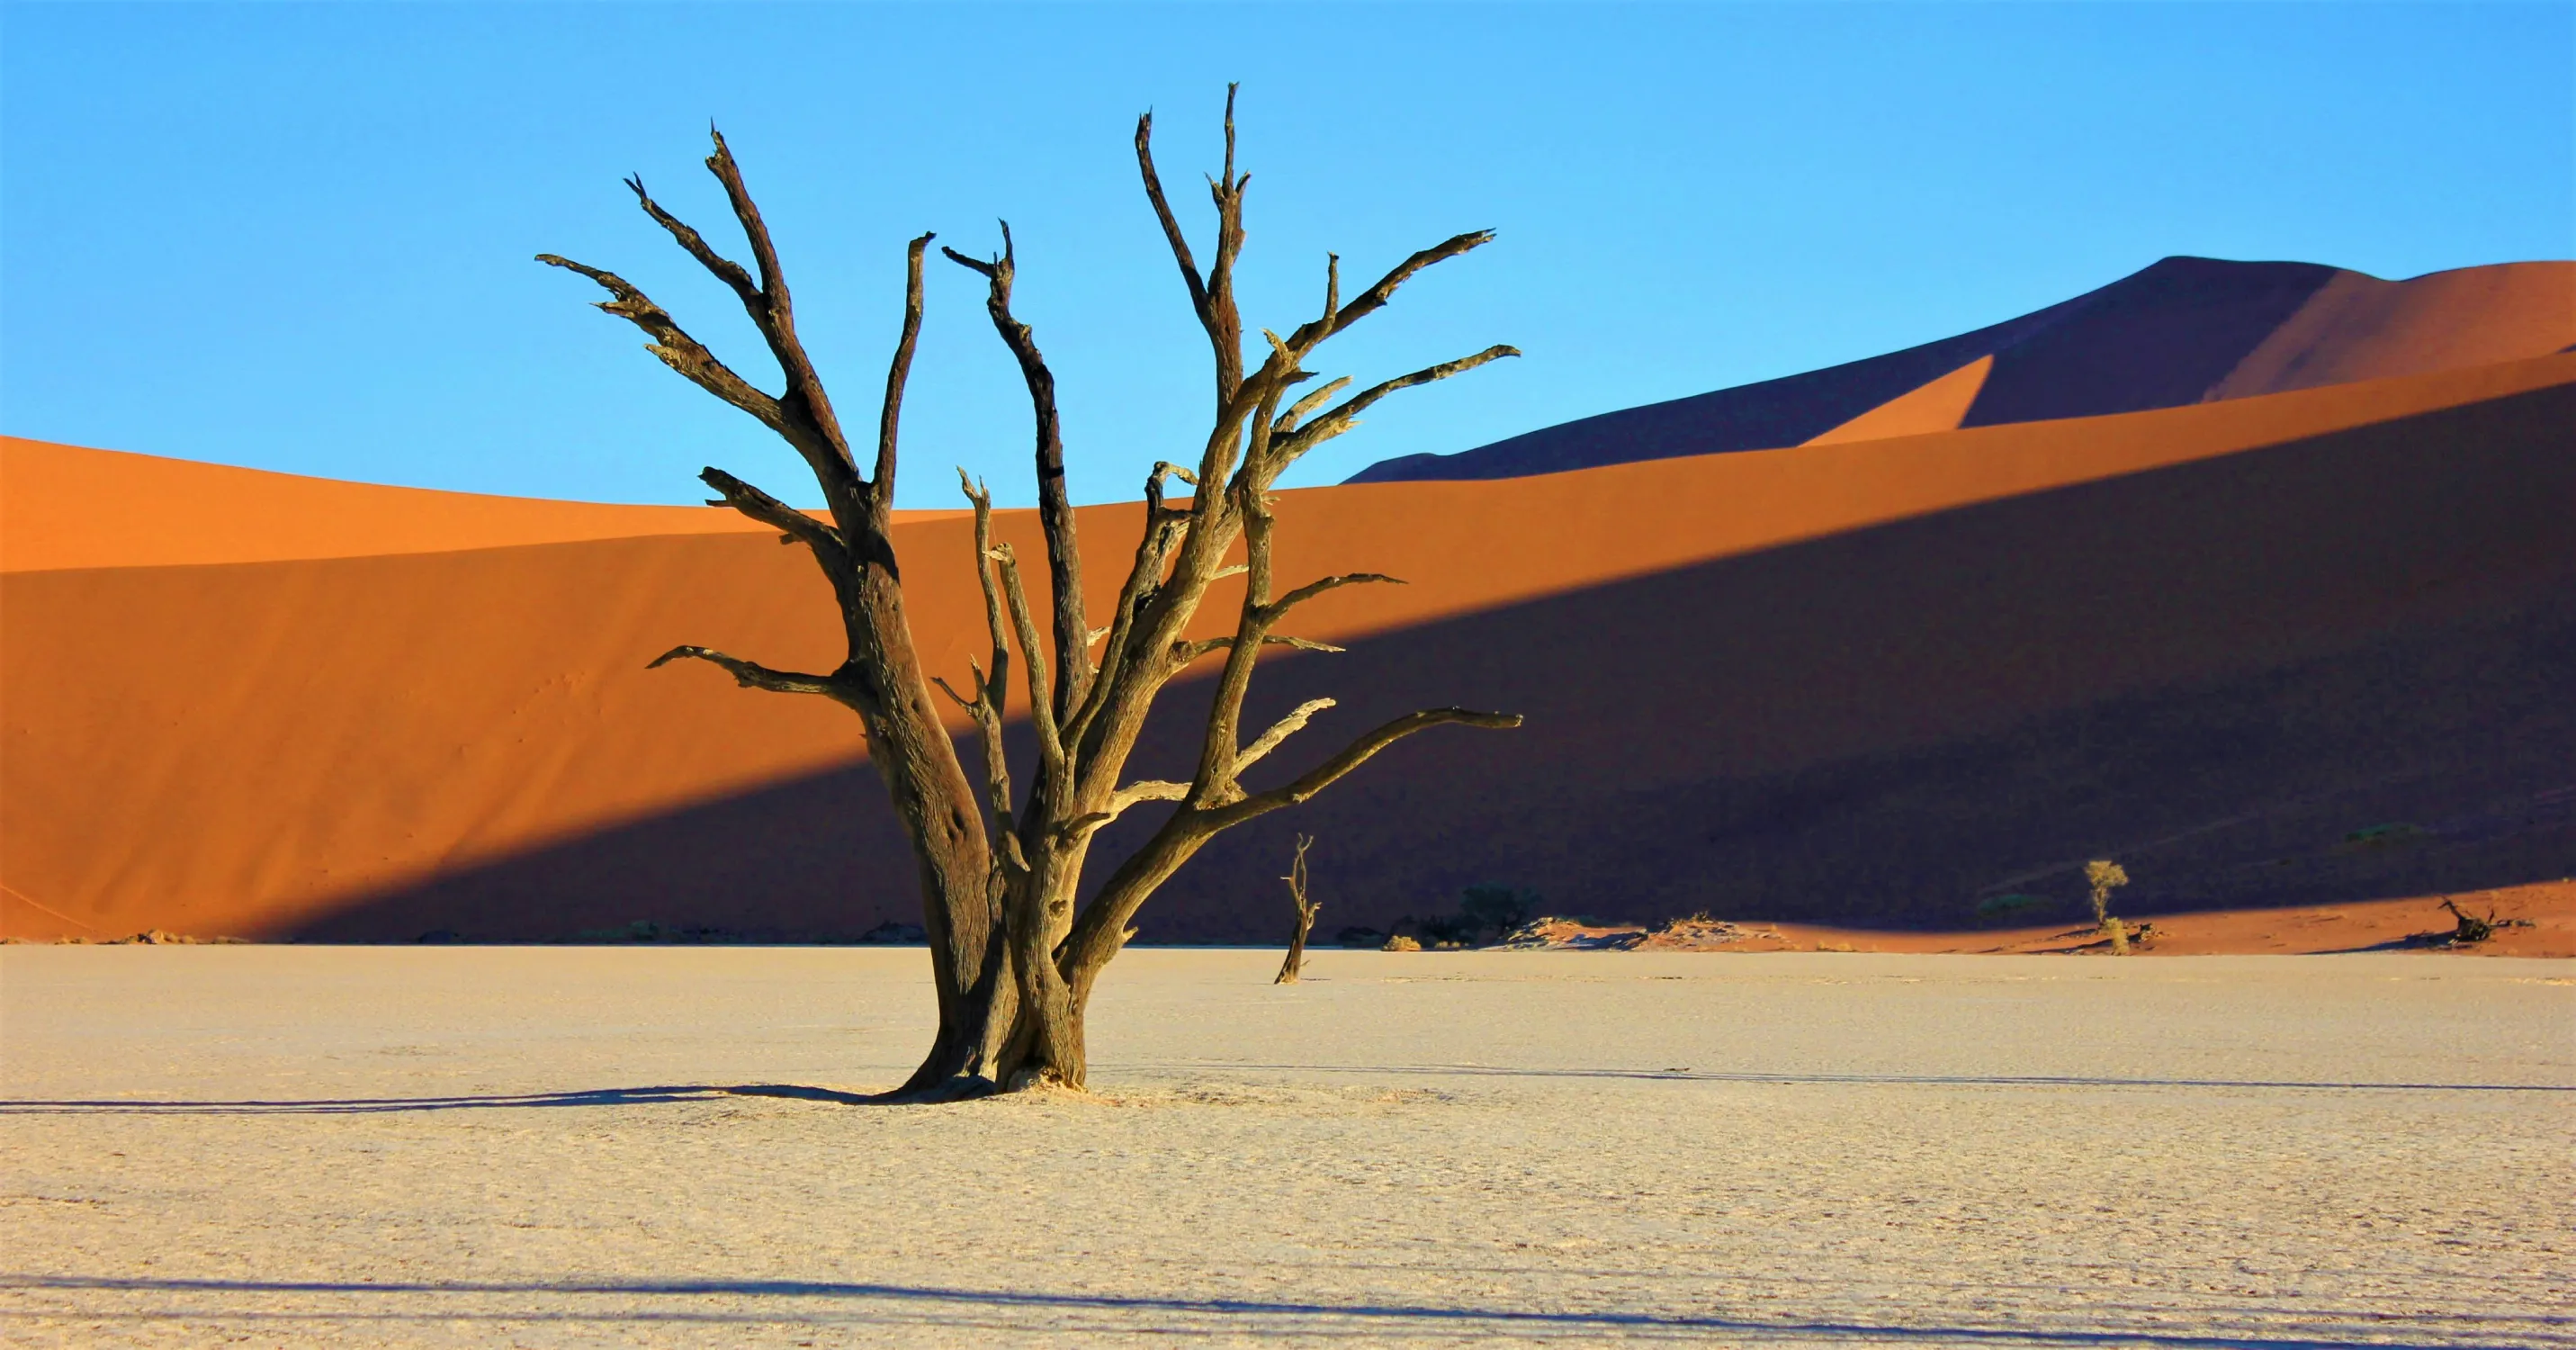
2181	331
1865	682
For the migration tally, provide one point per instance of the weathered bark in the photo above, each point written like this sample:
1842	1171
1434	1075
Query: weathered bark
1295	964
1014	961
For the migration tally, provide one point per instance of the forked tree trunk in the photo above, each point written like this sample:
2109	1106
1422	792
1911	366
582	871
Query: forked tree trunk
1014	960
1295	964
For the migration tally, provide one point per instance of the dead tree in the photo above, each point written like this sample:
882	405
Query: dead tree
2468	929
1296	879
1013	960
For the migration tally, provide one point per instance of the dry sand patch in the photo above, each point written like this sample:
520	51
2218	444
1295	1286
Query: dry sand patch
361	1146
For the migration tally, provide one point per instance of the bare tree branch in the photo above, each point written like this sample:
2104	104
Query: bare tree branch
1352	756
1033	656
1279	731
826	542
890	413
1297	411
1171	227
726	270
1342	417
673	345
1183	653
1163	532
1312	334
1134	794
1312	589
997	687
1213	296
992	692
754	676
808	407
1055	503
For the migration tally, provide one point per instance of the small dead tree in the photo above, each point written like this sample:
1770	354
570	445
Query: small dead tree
1296	879
1014	961
2468	929
2104	877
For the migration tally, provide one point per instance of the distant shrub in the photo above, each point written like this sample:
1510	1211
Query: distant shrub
1501	908
1448	928
2104	877
1401	943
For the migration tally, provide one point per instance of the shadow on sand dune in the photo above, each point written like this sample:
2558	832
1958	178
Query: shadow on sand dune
2319	671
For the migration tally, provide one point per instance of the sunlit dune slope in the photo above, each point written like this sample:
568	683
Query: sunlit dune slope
2359	327
1940	405
2185	330
67	506
1713	653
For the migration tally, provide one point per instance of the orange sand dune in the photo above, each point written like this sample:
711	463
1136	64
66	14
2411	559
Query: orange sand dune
1940	405
2354	328
65	506
379	746
2182	331
2362	328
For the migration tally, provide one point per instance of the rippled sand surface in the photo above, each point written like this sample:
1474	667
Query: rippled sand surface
567	1146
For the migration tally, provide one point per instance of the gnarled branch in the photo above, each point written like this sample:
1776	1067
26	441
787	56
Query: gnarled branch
992	692
1041	706
725	269
1313	334
890	412
1279	731
1345	414
1276	608
1355	754
1164	530
826	542
1183	653
1055	503
752	675
1212	296
1297	411
673	345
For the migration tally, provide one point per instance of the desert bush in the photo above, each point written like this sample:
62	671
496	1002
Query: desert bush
1501	908
2103	877
1453	928
1401	943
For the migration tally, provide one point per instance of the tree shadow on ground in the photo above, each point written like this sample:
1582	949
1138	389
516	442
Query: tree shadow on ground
1380	1318
335	1106
706	1092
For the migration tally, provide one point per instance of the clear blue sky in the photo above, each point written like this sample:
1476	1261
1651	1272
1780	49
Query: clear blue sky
299	237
